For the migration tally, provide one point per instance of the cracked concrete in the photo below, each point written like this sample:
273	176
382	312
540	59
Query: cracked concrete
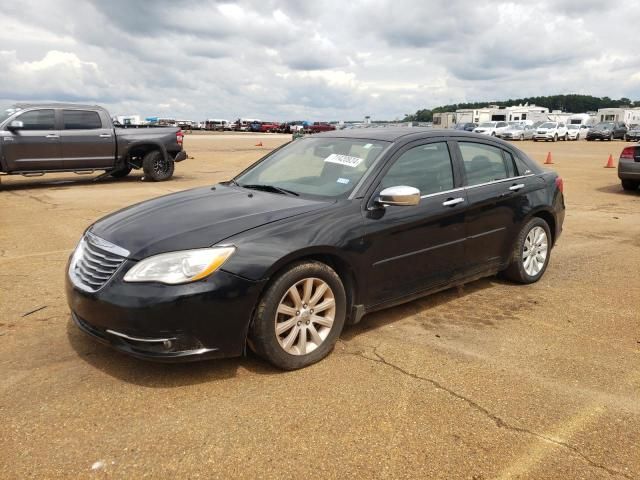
492	380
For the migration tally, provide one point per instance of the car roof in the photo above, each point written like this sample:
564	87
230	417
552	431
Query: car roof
395	133
24	106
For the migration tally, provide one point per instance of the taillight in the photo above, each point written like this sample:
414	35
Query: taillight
628	153
179	137
560	184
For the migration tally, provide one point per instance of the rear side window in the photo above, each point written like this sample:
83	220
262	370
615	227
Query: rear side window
81	120
427	168
38	120
483	163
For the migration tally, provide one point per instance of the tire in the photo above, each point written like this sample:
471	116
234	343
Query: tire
156	167
555	137
625	138
535	139
566	137
521	138
524	267
121	173
283	348
493	134
630	184
610	137
577	137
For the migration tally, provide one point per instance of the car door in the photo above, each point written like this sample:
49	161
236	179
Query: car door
496	197
86	142
412	248
36	145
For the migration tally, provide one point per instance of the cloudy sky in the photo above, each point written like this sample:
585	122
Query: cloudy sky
315	59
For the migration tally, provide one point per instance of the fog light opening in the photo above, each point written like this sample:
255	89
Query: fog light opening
167	344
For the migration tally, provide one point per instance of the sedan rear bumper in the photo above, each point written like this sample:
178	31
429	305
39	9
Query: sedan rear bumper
628	170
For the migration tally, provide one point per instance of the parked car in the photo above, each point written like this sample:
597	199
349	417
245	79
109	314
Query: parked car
633	134
491	128
629	167
551	131
318	127
518	131
67	137
467	127
310	238
573	132
607	131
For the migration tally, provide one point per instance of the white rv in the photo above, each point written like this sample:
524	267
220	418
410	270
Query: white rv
630	116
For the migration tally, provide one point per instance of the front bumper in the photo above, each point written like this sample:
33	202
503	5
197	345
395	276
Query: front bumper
599	135
544	136
628	170
205	319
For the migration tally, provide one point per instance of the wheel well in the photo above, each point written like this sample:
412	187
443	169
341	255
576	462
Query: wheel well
139	151
551	221
341	267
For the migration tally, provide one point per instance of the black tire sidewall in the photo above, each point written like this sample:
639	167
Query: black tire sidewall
149	172
262	334
516	271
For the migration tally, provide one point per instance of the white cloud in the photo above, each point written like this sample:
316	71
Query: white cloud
312	60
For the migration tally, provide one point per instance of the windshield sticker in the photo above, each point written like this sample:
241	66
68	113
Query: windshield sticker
368	146
343	160
343	180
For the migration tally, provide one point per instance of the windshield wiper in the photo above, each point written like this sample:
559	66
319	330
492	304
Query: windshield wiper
269	188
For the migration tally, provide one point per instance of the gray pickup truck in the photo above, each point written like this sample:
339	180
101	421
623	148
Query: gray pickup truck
44	138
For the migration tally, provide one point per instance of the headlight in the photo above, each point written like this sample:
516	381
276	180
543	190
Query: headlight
179	267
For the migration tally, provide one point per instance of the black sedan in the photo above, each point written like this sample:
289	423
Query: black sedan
310	238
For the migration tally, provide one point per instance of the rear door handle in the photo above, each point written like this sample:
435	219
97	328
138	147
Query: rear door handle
105	135
52	135
515	188
452	201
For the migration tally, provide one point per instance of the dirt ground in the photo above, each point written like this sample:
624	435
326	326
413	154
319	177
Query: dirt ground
492	380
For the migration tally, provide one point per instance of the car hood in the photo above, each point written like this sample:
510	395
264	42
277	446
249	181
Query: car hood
196	218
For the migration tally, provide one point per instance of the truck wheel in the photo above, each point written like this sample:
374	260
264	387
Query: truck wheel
123	172
157	167
630	184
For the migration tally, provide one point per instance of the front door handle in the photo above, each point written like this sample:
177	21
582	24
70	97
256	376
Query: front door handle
452	201
515	188
53	135
105	135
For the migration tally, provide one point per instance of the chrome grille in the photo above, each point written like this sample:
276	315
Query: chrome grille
94	262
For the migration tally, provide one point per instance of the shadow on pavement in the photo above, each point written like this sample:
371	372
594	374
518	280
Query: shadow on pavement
160	375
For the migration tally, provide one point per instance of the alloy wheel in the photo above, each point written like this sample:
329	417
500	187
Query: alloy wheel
534	252
161	165
305	316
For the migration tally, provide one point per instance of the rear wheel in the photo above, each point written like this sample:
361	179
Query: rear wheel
531	252
156	167
123	172
300	316
630	184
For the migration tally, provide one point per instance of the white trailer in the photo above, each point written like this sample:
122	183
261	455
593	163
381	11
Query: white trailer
444	120
630	116
582	119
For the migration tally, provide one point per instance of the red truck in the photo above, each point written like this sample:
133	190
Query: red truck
318	127
269	127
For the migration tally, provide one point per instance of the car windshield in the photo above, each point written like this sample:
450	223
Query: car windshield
324	167
517	127
548	125
604	125
6	112
488	124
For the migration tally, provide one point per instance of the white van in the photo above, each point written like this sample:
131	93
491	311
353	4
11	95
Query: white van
217	124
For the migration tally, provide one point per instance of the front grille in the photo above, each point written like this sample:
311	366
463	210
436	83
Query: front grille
94	262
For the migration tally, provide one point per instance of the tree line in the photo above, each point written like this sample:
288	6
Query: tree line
567	103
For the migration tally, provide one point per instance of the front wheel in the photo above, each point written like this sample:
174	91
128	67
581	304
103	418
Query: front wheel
300	317
531	252
555	137
157	167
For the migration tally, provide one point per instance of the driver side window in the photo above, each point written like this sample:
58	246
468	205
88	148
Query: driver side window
38	120
427	168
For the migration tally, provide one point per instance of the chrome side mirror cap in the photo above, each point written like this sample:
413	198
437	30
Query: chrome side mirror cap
401	196
15	125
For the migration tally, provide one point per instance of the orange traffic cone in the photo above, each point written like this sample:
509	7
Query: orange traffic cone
548	161
610	162
259	144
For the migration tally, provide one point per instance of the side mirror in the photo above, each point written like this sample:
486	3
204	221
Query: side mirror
15	125
400	196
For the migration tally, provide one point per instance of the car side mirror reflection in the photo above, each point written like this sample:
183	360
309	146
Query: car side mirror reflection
15	125
401	196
